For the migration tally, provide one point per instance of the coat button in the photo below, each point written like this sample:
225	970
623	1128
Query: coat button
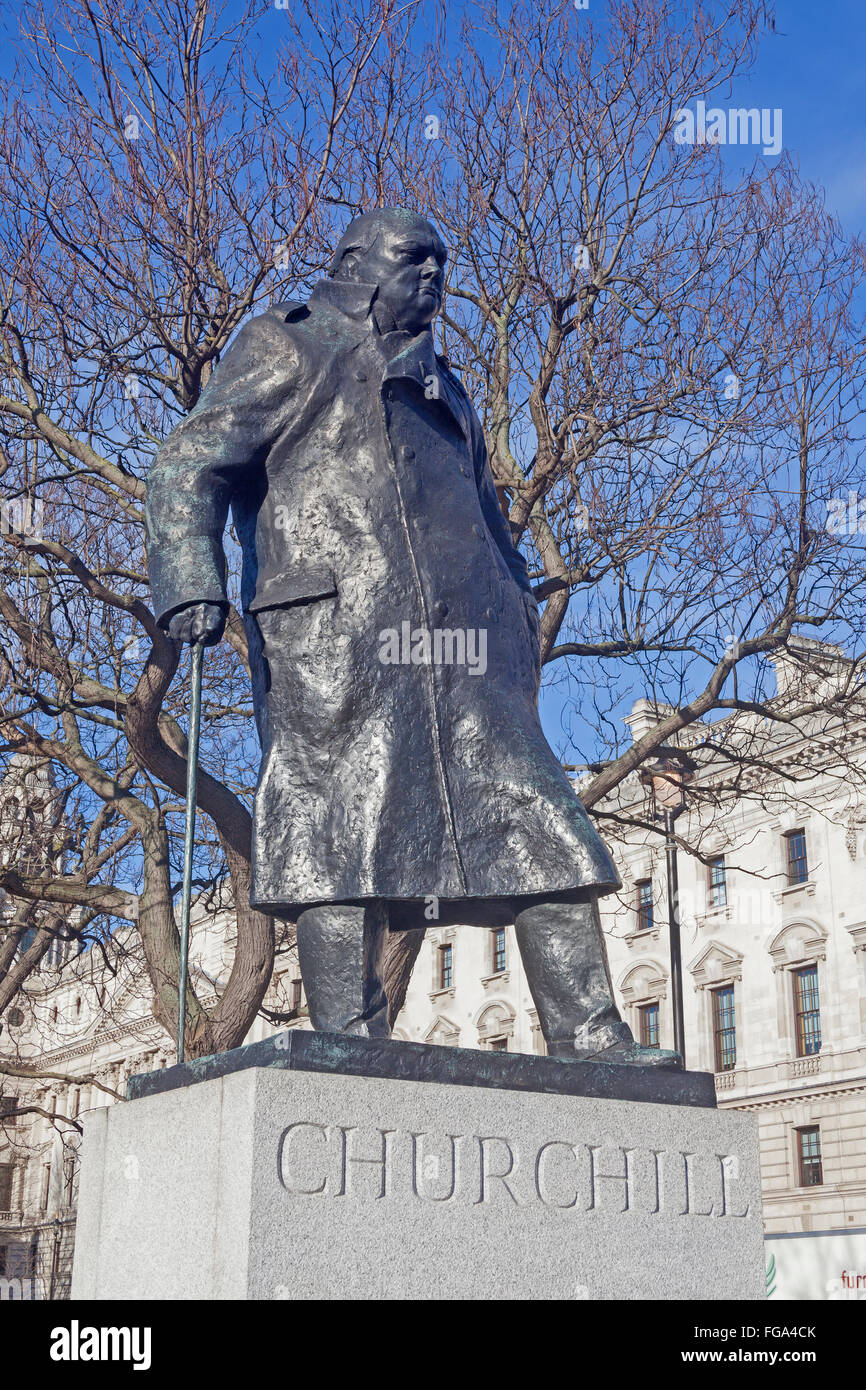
420	523
464	470
477	530
407	452
440	608
360	376
491	615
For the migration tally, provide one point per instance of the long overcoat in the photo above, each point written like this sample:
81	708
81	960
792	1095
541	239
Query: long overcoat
396	763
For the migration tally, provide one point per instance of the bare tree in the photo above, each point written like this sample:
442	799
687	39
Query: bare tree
666	347
669	350
156	190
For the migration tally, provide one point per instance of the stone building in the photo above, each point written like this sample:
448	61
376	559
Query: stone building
772	902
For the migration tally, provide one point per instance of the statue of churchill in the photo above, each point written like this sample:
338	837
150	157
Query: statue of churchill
355	468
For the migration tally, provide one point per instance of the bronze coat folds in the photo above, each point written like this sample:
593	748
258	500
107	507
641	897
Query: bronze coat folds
363	500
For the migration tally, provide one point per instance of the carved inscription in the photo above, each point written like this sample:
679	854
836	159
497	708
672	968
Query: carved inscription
315	1159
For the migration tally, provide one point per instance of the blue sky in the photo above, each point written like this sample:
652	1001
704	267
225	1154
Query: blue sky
813	69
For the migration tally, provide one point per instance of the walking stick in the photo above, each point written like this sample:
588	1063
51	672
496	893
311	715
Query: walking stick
189	839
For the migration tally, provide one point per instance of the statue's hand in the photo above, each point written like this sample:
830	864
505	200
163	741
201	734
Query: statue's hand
198	622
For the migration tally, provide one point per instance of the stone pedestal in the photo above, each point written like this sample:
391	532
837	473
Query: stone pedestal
316	1167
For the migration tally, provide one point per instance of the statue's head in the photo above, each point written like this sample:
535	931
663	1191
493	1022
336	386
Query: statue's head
403	255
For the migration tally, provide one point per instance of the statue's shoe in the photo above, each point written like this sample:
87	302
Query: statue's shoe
629	1054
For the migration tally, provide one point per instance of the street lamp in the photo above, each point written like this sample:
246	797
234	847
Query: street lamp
667	780
57	1226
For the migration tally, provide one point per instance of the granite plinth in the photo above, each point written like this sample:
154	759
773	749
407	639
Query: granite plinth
298	1182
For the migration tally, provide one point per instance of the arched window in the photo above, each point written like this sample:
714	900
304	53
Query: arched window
495	1024
644	987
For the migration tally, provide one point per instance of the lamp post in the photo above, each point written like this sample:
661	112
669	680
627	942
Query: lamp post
667	779
57	1227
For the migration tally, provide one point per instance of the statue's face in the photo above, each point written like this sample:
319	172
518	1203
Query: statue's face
407	262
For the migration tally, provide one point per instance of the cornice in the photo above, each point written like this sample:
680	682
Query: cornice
774	1101
138	1029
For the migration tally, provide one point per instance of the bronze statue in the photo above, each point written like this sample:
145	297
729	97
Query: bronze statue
394	646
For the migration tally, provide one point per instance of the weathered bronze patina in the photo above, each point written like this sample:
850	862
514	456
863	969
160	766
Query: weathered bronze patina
393	641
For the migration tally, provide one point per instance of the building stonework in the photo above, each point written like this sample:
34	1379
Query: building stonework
486	1005
745	927
756	942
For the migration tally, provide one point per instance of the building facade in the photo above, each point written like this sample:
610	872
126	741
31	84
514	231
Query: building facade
771	868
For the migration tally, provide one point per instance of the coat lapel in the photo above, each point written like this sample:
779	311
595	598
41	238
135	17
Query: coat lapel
418	362
415	359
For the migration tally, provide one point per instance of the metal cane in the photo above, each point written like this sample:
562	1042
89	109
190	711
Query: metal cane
189	839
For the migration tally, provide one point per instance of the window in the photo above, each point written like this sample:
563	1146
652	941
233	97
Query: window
798	868
296	994
8	1108
498	936
498	1044
644	904
724	1028
649	1025
7	1171
46	1185
807	1011
446	967
718	883
809	1156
